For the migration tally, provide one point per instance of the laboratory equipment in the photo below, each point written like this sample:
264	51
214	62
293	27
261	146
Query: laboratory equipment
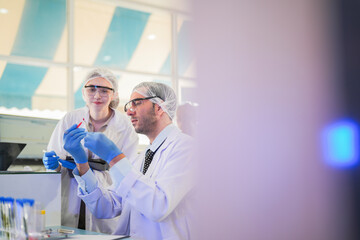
21	219
8	153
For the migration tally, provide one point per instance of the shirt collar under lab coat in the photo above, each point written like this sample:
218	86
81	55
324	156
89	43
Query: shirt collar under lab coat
161	137
90	127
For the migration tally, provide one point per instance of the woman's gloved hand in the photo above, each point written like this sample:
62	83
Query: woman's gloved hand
67	164
72	138
50	160
99	144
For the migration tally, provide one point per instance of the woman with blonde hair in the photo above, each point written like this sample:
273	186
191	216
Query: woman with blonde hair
100	92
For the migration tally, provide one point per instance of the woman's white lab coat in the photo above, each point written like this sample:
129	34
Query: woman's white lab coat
157	204
122	133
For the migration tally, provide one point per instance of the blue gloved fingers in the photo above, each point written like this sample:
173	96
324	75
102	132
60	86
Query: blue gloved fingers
50	154
47	164
50	159
67	164
71	128
76	137
50	162
52	165
102	146
70	132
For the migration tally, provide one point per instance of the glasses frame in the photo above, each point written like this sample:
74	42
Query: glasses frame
137	99
96	87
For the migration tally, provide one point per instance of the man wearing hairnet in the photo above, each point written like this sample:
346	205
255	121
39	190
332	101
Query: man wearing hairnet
154	194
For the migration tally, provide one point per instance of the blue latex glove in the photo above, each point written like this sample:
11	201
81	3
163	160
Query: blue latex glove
67	164
50	160
72	138
99	144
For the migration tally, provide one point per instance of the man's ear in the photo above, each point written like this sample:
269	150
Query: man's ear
159	111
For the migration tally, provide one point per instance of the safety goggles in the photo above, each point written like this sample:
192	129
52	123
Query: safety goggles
103	91
132	104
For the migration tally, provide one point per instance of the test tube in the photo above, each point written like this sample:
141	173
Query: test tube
79	124
1	217
8	218
21	231
29	217
40	217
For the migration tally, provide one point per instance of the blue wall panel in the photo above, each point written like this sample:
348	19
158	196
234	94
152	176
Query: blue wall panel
123	36
41	28
38	36
18	84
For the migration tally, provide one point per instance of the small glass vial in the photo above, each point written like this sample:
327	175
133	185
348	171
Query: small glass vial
40	221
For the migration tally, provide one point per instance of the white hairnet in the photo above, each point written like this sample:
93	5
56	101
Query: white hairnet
110	77
166	96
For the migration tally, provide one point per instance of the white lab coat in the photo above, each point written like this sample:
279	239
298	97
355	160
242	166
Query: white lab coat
157	204
122	133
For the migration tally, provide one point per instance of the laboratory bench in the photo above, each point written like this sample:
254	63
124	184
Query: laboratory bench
45	188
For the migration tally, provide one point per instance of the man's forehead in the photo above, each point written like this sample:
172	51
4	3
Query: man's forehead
136	95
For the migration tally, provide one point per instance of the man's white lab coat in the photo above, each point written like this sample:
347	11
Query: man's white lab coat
157	204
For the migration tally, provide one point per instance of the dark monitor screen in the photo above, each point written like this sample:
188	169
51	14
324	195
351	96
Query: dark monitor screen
8	153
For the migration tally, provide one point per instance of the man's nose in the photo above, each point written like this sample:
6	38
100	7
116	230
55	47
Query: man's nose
130	111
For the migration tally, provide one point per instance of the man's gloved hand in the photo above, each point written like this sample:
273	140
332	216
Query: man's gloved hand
50	160
72	138
67	164
99	144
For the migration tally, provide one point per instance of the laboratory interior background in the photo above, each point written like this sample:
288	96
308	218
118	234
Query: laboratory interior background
48	47
276	83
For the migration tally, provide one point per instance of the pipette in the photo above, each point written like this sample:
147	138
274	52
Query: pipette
79	124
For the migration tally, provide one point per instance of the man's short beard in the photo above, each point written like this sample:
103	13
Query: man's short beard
148	121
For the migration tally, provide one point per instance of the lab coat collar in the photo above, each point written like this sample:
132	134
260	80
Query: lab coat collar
165	137
161	137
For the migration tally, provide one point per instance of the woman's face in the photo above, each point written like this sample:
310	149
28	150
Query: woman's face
98	98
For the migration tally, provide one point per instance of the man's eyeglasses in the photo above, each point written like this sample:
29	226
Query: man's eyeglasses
131	105
103	91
